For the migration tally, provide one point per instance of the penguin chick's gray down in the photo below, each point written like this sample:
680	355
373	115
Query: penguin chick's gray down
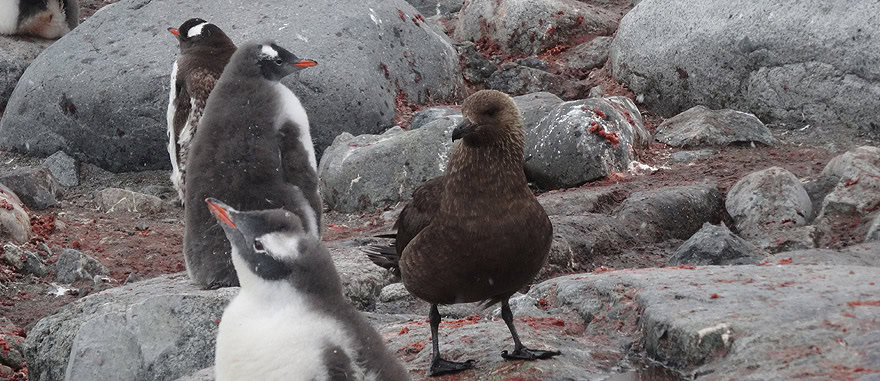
204	52
254	150
477	233
290	321
41	18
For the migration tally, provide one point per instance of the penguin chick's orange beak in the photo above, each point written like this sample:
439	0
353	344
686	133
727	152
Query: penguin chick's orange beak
306	63
174	32
219	212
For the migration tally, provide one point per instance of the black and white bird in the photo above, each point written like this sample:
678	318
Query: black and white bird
204	52
253	149
290	321
477	233
41	18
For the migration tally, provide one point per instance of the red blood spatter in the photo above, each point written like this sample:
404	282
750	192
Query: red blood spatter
602	269
560	13
686	267
550	29
543	304
402	16
579	21
472	319
785	261
611	137
714	296
600	114
415	21
787	221
867	303
42	227
6	205
403	331
543	322
414	347
385	69
850	182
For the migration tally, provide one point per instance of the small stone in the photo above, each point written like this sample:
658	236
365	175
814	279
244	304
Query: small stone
874	229
588	55
768	200
515	79
36	187
476	69
15	223
13	256
73	265
6	372
121	200
690	156
715	245
33	265
64	168
700	127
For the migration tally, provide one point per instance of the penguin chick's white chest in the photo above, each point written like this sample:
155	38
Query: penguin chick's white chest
273	334
8	16
293	111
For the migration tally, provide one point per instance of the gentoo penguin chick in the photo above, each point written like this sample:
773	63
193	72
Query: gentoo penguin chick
252	149
42	18
204	52
290	321
477	233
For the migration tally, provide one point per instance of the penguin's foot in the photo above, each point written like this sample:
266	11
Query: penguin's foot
523	353
440	367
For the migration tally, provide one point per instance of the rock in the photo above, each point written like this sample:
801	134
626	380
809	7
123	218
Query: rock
873	229
796	238
577	240
164	192
436	7
395	299
532	26
63	168
362	281
108	106
18	53
563	152
23	261
701	127
158	329
351	181
712	320
691	156
858	188
13	256
118	200
715	245
587	56
767	200
866	254
581	201
535	106
36	187
764	57
73	265
671	212
476	69
428	115
206	374
15	223
818	187
11	354
515	79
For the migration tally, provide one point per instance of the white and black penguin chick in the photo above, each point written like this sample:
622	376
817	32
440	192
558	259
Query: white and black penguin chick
204	52
41	18
290	321
253	149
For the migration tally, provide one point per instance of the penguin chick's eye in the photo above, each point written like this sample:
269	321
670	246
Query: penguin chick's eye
279	61
258	246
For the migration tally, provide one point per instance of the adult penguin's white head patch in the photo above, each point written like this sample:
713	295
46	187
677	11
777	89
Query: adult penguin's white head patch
269	51
196	30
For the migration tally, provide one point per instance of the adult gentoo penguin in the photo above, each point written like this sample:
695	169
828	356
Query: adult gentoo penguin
42	18
477	233
253	149
204	52
290	321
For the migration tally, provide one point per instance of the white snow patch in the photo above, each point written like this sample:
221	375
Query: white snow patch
725	336
59	290
636	167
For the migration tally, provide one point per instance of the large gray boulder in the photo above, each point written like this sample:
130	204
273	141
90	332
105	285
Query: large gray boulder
15	223
589	55
857	177
106	103
532	26
675	212
436	7
535	106
790	61
16	53
768	200
866	254
351	178
584	140
701	127
35	186
715	245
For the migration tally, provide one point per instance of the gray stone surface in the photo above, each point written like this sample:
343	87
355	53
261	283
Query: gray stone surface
715	245
63	168
873	229
701	127
671	212
12	354
516	79
767	57
428	115
532	26
768	200
16	53
206	374
15	224
362	281
34	186
436	7
73	265
116	200
589	55
858	186
351	180
563	152
107	104
793	238
581	201
475	68
691	156
535	106
866	254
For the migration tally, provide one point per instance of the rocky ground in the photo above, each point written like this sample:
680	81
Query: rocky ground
689	242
